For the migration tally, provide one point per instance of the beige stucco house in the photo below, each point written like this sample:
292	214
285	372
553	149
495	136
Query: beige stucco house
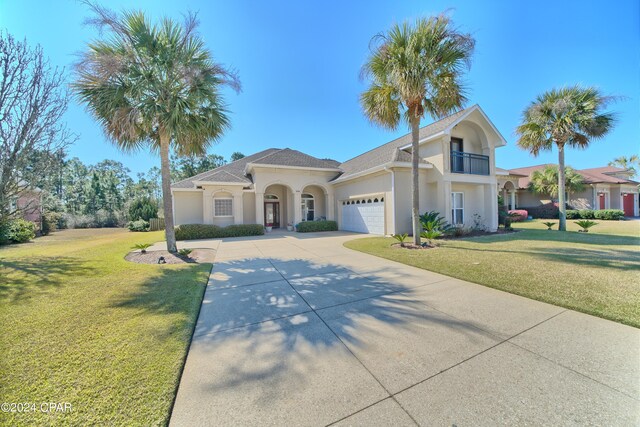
605	187
370	193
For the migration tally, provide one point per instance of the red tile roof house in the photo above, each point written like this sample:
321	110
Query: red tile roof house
606	187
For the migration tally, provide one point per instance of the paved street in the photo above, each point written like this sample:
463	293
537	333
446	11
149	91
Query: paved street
295	329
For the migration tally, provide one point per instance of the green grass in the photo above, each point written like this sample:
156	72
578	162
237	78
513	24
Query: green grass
596	272
82	325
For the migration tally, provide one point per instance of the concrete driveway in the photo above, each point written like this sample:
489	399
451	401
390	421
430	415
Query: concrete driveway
298	330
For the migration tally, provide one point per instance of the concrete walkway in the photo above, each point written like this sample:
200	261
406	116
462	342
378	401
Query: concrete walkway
298	330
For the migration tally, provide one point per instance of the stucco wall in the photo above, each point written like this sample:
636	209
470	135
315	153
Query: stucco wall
373	184
474	204
187	207
403	197
249	211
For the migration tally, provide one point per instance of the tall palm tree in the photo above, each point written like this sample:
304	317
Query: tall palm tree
631	163
154	85
571	116
545	181
416	69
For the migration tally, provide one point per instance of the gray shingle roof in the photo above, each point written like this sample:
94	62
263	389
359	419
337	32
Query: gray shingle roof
231	173
390	151
234	171
289	157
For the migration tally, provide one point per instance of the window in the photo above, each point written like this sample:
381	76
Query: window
308	207
270	197
222	207
457	208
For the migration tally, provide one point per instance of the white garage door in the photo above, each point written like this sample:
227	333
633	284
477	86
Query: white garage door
363	217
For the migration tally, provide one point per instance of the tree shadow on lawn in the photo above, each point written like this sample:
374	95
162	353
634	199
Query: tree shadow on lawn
20	279
556	236
614	258
268	335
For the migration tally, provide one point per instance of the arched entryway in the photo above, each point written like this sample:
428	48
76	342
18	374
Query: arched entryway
276	204
509	195
313	203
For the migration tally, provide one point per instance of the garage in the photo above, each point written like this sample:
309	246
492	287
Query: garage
363	215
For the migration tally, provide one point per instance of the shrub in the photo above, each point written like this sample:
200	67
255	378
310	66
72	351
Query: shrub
313	226
549	225
431	235
401	238
143	208
433	221
50	222
609	214
573	214
585	214
185	252
142	246
518	215
585	224
209	231
547	211
139	225
18	231
102	218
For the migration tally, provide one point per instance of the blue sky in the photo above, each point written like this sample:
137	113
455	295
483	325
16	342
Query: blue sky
299	63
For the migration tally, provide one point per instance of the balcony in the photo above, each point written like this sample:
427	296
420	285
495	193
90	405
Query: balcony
474	164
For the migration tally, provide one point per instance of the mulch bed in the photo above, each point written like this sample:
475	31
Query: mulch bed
198	256
411	246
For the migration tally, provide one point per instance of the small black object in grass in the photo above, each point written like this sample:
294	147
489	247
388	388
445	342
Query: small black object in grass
161	260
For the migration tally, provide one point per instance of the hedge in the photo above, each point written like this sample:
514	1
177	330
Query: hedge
313	226
604	214
208	231
548	211
518	215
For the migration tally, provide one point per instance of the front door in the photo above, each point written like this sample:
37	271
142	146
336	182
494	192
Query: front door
272	214
627	204
602	200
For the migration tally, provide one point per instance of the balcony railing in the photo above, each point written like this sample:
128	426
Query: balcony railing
470	163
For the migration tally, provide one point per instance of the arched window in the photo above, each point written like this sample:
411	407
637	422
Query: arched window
375	200
270	197
369	201
308	207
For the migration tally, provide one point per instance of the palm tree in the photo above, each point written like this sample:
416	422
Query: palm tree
154	86
416	70
545	181
630	163
570	116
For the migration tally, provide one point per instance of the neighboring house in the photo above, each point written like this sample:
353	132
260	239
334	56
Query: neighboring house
606	187
370	193
29	203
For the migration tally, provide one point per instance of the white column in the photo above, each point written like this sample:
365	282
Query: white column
207	206
238	208
329	206
447	201
259	208
297	207
491	201
512	194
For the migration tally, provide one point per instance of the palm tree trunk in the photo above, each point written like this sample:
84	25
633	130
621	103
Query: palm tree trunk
415	182
167	202
562	225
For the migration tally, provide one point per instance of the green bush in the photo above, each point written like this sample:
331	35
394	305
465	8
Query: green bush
609	214
143	208
573	214
50	221
208	231
313	226
586	214
18	231
139	225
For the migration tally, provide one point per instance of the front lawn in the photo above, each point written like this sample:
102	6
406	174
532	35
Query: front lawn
82	325
596	273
